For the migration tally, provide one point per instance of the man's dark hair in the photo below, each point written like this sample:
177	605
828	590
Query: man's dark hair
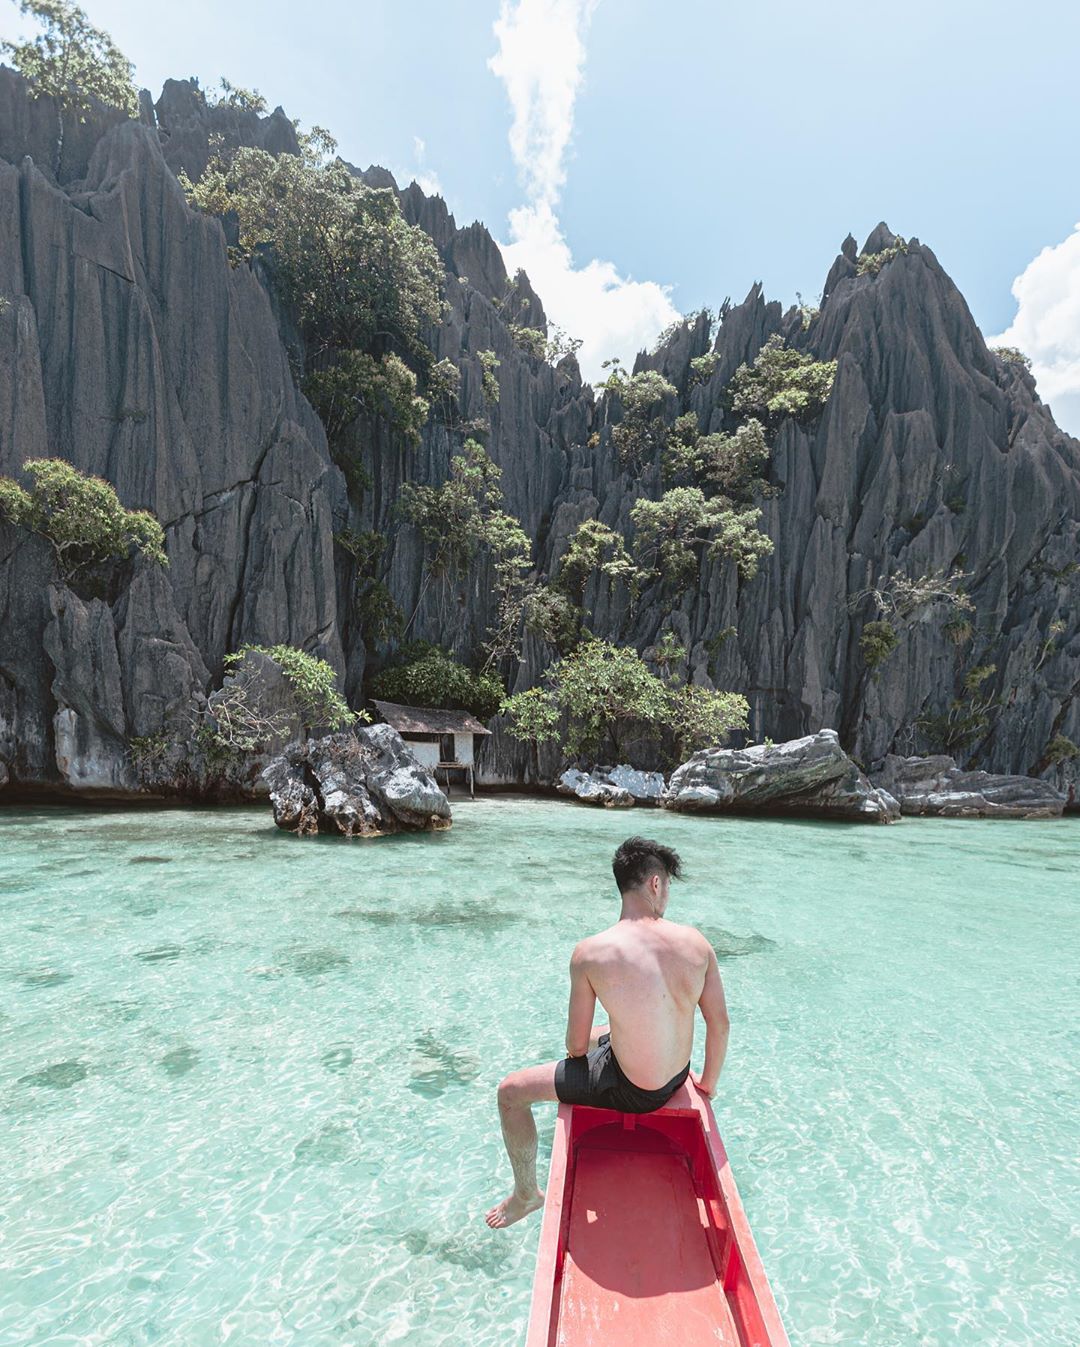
640	857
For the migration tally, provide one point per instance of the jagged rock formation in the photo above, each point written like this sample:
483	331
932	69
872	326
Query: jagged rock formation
130	346
937	786
812	775
360	783
620	786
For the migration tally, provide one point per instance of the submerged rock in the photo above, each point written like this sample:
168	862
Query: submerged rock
615	787
935	785
360	783
812	775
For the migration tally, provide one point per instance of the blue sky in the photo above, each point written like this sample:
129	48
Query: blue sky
640	157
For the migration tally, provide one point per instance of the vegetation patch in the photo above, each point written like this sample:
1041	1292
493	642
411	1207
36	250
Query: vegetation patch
603	693
429	676
80	516
870	264
781	382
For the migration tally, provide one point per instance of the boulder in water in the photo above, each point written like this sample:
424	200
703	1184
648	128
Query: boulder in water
359	783
811	776
614	787
936	786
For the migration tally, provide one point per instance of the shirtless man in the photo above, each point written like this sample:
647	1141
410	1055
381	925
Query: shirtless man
648	974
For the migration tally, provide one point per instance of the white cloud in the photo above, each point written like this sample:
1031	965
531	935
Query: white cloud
1047	326
541	61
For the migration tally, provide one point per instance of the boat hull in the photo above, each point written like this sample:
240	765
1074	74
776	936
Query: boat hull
644	1238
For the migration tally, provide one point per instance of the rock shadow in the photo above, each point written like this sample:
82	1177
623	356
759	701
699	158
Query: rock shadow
435	1067
730	946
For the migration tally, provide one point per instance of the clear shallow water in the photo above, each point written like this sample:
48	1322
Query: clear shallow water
247	1082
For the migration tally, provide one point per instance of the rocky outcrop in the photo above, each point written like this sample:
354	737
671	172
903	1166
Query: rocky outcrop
936	786
810	776
621	786
360	783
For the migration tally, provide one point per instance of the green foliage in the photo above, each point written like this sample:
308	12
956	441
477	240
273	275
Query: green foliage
870	264
357	382
560	344
530	340
642	431
554	617
714	645
807	312
671	531
668	652
511	553
967	718
149	751
73	62
703	367
313	682
594	549
80	516
730	464
489	363
959	630
453	518
429	676
1012	356
464	515
380	617
1060	749
781	382
877	641
701	718
444	383
358	276
602	691
244	100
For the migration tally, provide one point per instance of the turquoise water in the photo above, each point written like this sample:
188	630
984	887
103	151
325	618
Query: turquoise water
247	1081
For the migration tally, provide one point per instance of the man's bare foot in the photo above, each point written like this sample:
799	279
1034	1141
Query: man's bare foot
512	1209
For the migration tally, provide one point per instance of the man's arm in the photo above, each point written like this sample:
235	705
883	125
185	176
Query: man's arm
714	1011
582	1005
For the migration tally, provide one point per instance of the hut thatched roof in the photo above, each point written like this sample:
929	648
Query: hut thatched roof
428	720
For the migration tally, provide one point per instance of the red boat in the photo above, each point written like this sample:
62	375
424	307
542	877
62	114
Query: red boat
645	1242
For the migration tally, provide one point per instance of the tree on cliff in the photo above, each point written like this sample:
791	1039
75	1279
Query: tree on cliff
79	516
72	62
362	282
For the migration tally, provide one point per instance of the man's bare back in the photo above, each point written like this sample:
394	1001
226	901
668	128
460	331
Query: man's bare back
649	974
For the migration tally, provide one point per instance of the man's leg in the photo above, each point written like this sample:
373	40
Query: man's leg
517	1094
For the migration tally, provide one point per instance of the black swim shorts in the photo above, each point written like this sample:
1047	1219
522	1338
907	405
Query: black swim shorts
597	1080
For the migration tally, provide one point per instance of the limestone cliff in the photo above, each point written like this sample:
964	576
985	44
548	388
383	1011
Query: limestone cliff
132	347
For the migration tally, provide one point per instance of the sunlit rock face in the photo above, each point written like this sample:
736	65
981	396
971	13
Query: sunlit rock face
132	347
811	776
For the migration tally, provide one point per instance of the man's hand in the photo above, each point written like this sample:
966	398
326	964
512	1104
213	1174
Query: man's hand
705	1089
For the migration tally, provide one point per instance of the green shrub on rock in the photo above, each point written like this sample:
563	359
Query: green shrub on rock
429	676
1061	749
604	692
781	382
80	516
313	682
870	264
877	642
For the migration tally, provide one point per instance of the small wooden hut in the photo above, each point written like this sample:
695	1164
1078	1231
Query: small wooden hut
445	741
